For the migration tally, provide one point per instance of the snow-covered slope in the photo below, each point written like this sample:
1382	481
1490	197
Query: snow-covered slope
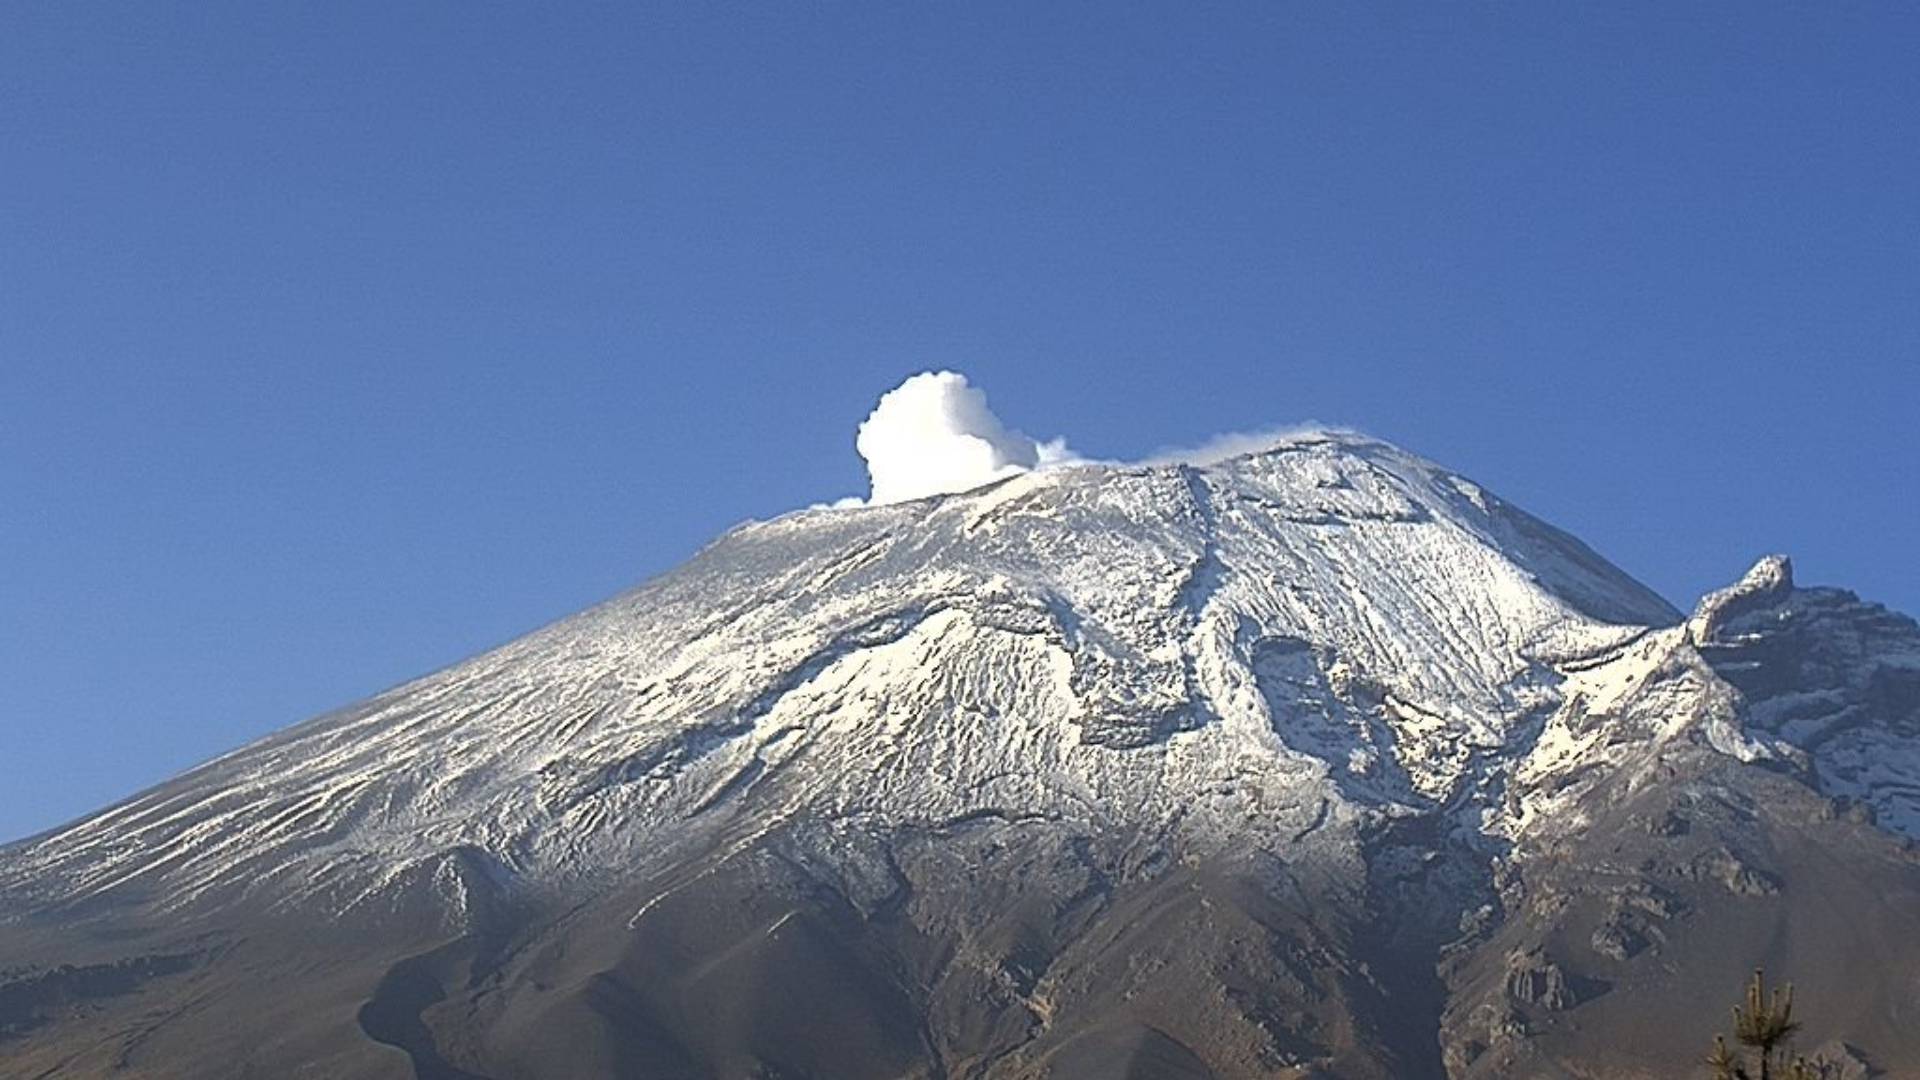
1809	681
1175	645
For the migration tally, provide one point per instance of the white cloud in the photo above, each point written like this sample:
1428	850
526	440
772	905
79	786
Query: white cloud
934	434
1234	444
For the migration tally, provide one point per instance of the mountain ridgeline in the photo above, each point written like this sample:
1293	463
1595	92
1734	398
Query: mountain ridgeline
1321	761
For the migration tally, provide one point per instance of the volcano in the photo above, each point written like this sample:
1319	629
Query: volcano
1319	761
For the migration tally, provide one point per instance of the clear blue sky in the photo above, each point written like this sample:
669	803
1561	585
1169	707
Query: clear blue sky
340	341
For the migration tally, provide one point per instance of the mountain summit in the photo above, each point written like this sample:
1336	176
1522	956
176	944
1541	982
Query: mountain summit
1317	761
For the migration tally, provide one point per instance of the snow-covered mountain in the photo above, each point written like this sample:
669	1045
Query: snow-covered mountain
1321	760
